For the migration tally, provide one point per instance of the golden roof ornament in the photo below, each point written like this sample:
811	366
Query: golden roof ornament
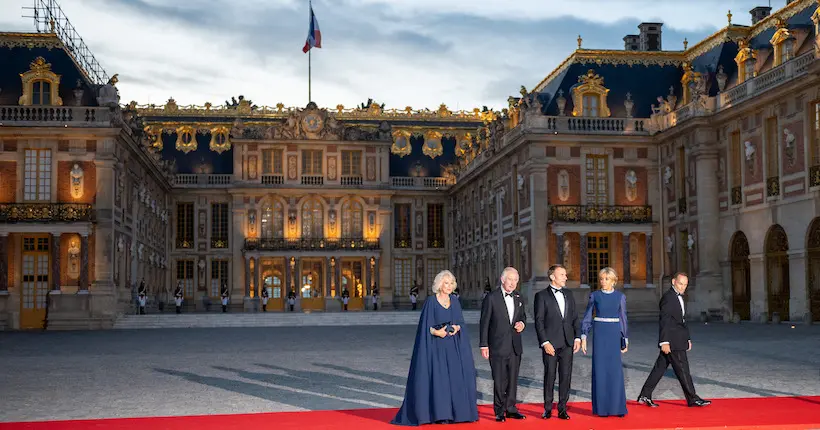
579	41
729	16
39	65
685	44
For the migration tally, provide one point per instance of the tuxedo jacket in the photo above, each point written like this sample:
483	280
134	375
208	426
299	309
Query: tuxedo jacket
673	328
496	331
550	325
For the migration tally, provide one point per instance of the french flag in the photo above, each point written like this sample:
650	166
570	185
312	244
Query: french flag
314	38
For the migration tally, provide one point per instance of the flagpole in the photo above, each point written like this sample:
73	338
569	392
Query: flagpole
310	12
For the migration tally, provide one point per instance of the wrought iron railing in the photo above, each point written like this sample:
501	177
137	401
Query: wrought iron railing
308	244
403	242
773	186
219	243
183	243
45	212
602	214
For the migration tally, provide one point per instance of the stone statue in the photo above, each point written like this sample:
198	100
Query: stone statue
789	139
667	175
108	95
668	242
749	150
631	185
76	175
563	185
73	259
690	242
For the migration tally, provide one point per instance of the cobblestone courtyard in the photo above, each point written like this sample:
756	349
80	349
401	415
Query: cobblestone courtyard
72	375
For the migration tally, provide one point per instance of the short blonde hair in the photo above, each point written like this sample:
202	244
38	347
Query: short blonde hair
609	273
439	279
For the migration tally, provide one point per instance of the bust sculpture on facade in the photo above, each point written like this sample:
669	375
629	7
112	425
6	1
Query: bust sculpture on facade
667	175
631	180
76	176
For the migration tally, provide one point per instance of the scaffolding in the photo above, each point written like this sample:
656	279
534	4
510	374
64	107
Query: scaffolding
49	18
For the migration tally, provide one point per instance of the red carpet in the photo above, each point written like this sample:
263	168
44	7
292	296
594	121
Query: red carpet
782	413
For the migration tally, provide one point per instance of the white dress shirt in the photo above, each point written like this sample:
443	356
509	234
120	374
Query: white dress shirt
682	312
562	305
508	300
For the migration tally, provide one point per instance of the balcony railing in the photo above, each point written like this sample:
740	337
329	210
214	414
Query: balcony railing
45	212
311	244
198	180
420	183
219	243
403	242
54	116
583	125
273	179
351	180
602	214
313	180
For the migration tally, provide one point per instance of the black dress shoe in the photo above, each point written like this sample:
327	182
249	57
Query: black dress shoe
515	415
647	401
563	415
700	402
500	418
546	415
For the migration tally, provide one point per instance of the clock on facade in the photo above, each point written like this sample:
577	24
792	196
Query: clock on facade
312	123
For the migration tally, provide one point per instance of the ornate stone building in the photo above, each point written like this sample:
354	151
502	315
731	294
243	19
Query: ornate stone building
703	160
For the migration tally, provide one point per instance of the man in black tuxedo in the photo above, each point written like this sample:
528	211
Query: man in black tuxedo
674	341
502	321
558	328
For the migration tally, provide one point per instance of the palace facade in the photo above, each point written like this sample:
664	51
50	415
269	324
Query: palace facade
704	160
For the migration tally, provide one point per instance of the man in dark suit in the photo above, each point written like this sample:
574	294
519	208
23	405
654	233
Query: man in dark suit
502	321
558	328
674	341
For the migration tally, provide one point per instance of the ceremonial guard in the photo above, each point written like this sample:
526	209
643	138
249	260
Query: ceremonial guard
142	295
345	297
291	299
375	298
225	295
178	294
414	295
265	297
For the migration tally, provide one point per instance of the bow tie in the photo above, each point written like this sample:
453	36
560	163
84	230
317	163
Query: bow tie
556	290
508	294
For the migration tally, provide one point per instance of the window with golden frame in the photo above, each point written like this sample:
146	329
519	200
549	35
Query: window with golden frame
219	225
351	163
435	225
597	180
37	175
219	277
272	162
311	162
185	225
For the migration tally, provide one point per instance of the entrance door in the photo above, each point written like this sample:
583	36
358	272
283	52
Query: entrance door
813	268
312	285
353	281
35	281
597	256
777	272
741	277
273	280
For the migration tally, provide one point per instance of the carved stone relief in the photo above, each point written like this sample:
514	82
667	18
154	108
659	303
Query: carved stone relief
73	268
750	153
331	168
76	176
371	168
563	185
252	172
631	180
292	167
789	139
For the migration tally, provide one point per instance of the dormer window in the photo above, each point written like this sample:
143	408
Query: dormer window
783	43
40	85
589	96
745	59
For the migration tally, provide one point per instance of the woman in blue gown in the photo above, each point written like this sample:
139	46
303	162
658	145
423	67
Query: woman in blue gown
441	383
611	339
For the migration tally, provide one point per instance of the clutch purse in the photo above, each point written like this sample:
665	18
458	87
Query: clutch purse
449	326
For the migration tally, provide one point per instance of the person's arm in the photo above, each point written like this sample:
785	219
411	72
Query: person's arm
622	320
540	315
484	323
586	324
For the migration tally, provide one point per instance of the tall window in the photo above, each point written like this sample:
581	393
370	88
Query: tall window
273	220
403	271
219	276
185	225
591	105
434	266
185	274
219	225
597	256
737	160
401	222
37	179
597	180
312	220
435	225
272	162
351	163
41	93
311	162
352	219
773	149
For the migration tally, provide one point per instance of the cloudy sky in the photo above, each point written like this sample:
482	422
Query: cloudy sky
419	53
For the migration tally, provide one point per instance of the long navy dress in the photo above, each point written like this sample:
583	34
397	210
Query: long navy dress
441	383
610	327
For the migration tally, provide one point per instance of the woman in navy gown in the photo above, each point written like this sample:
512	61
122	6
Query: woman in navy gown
441	383
610	341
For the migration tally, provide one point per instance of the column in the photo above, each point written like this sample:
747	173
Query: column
4	261
559	244
759	300
627	275
650	281
330	288
55	263
83	264
705	152
798	289
247	276
583	251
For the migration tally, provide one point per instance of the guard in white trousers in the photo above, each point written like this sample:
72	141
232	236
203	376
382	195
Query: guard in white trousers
142	295
178	294
225	295
264	299
375	298
345	297
291	299
413	299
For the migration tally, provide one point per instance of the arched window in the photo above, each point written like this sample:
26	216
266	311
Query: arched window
312	220
273	220
267	221
591	105
41	86
41	93
589	96
352	219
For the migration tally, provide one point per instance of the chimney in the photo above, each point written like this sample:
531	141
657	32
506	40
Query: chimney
759	13
650	38
632	42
